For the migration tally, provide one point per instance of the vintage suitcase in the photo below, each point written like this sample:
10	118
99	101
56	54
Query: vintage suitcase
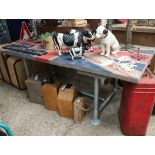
34	90
137	106
79	109
17	72
3	67
50	95
66	96
1	78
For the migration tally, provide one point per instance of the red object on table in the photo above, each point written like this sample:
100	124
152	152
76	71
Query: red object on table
137	106
24	31
123	20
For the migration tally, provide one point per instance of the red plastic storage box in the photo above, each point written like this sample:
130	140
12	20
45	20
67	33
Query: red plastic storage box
136	106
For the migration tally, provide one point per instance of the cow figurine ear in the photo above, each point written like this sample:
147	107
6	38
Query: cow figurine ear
105	31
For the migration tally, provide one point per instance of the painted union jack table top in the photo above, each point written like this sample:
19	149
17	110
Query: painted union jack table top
123	65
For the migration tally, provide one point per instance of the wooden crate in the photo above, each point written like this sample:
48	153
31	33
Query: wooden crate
76	22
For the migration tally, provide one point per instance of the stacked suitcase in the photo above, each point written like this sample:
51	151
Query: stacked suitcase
17	72
4	73
12	70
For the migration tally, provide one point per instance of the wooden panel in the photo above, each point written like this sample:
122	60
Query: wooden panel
145	39
73	20
120	35
93	23
138	38
152	66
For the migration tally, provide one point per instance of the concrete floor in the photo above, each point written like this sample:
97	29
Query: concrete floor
30	119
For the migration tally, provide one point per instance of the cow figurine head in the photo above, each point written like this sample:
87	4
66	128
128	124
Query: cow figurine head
72	39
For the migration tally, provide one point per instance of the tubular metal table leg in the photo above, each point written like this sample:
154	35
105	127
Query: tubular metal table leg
109	97
95	120
26	68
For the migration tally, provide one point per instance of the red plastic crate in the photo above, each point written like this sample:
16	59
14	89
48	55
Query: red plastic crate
136	106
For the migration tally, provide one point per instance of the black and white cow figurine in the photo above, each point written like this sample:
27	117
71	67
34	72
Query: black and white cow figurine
87	43
72	39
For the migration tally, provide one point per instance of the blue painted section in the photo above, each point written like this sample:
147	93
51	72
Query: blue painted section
146	51
78	62
139	67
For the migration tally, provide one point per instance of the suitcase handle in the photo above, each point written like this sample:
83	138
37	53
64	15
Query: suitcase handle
84	109
63	87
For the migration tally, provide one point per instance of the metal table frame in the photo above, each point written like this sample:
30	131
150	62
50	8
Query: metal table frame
97	108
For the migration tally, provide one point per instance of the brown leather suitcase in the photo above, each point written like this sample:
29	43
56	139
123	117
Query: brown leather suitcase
79	109
66	97
3	67
17	72
34	90
50	95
